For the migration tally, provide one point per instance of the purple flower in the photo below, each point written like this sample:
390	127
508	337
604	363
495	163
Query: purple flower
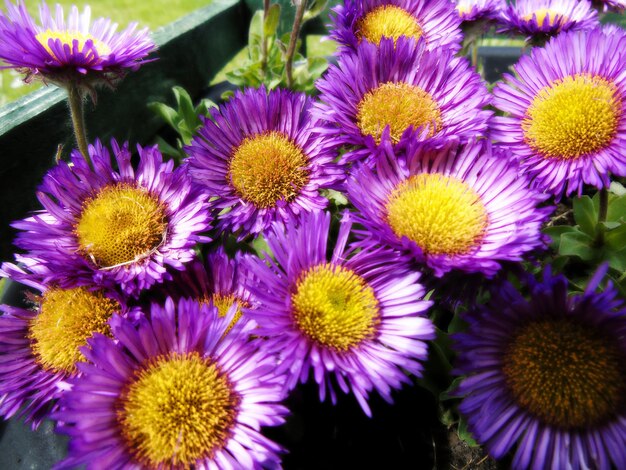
115	227
454	208
354	319
40	342
219	279
261	157
548	17
610	5
477	10
174	392
566	109
400	92
545	376
435	21
72	50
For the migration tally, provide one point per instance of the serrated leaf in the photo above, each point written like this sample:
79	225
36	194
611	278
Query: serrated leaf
577	244
585	215
271	22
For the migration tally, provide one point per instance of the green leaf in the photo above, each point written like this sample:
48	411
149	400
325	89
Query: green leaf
617	188
338	198
255	33
616	238
464	433
577	244
449	393
271	22
169	115
616	211
261	248
617	260
555	233
315	9
585	215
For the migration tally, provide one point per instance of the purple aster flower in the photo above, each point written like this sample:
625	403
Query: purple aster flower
72	50
354	318
478	10
454	208
115	227
548	17
261	157
546	377
40	342
219	279
610	5
435	21
566	111
174	392
400	93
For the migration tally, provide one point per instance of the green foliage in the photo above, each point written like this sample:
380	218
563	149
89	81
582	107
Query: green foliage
185	120
267	55
593	241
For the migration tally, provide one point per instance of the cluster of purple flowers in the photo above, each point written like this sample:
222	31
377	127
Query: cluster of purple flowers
153	345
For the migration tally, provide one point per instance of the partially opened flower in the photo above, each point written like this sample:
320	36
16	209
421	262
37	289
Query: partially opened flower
115	226
68	50
454	208
262	159
434	21
546	376
399	93
40	342
548	17
355	319
477	10
174	392
219	280
566	111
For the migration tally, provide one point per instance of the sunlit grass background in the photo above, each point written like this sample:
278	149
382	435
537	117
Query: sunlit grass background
150	13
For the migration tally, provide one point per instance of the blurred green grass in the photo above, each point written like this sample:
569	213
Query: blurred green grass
150	13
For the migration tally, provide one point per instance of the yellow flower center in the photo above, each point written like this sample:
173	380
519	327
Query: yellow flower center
67	318
399	106
120	225
68	37
223	303
441	214
177	409
387	21
267	168
572	117
566	374
334	307
541	16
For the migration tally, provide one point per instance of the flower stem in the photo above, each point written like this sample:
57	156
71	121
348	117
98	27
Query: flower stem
266	10
602	213
75	99
295	32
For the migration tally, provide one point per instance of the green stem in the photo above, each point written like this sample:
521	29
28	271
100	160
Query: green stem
75	99
295	32
602	213
266	10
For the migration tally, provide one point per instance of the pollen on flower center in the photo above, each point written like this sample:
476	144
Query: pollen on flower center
387	21
541	15
335	307
223	303
68	38
267	168
441	214
177	409
398	105
573	117
67	318
567	374
120	225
